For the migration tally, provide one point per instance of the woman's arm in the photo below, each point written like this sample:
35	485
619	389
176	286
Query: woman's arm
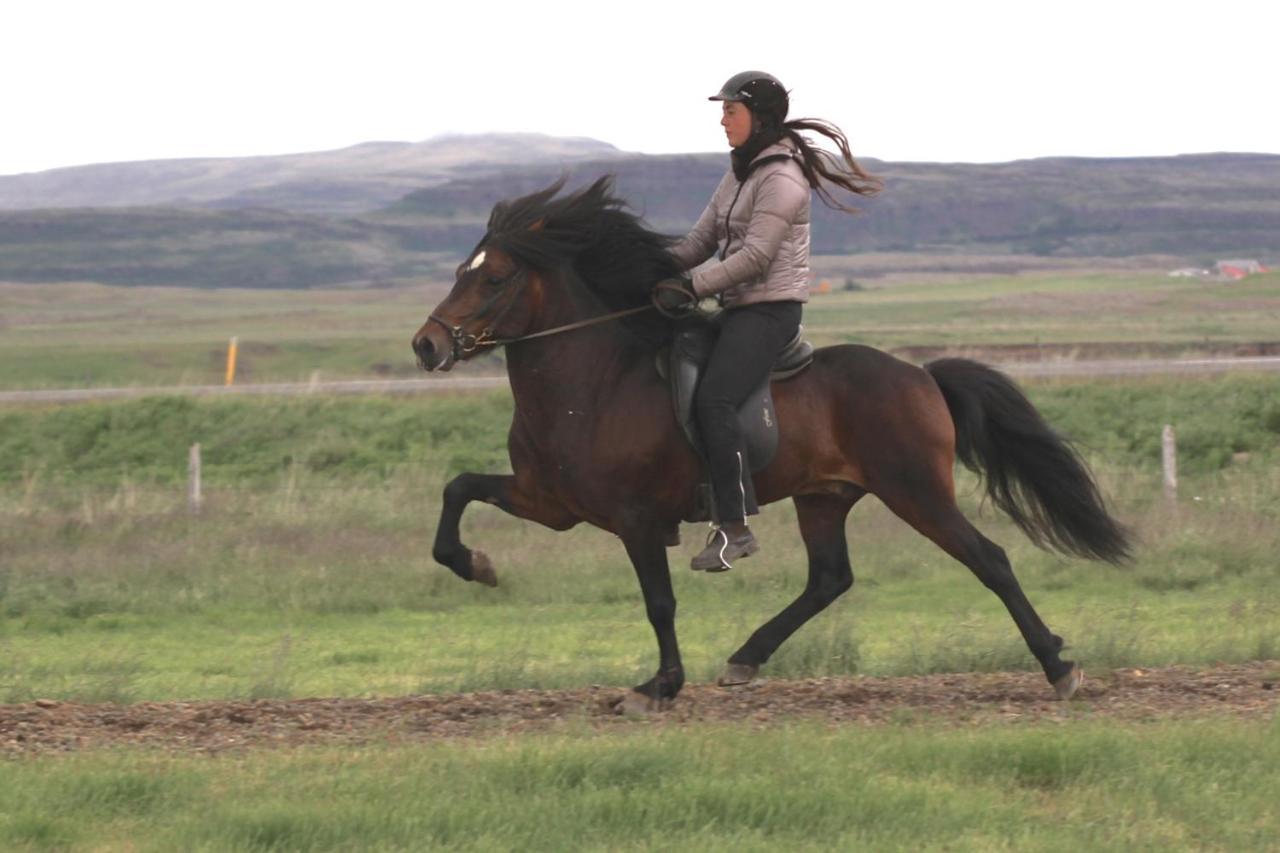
700	243
779	199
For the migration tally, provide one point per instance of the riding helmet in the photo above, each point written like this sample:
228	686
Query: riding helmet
762	93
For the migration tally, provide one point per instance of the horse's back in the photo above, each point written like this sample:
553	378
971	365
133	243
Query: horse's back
866	374
867	408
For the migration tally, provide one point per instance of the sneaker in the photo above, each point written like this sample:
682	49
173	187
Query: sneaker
722	548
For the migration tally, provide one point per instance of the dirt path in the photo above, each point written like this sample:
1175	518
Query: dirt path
1040	361
1248	690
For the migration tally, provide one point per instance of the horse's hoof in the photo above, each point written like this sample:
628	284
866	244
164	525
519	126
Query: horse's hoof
482	570
1067	685
635	705
738	674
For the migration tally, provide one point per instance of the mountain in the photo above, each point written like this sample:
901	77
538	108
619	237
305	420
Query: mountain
349	180
1185	205
290	222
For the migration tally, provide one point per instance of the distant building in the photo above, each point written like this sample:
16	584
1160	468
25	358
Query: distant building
1188	272
1238	268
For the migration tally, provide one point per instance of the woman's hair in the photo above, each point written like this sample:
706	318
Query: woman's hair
820	165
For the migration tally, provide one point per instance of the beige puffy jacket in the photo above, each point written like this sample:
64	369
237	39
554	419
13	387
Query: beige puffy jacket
764	246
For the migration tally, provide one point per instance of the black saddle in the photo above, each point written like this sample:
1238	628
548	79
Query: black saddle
682	365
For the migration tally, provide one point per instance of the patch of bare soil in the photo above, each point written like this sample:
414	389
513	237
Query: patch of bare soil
1245	691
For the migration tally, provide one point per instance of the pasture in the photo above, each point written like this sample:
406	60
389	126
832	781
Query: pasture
1080	785
83	335
308	574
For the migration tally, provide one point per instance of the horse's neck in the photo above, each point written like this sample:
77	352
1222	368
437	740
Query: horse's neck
559	375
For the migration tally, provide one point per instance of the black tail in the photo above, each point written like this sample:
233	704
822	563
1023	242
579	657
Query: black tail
1031	472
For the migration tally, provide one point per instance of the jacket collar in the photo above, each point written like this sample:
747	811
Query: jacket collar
745	159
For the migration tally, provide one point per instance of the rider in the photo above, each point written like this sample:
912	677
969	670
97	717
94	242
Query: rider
758	219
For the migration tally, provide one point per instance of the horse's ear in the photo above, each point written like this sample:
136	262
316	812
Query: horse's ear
537	226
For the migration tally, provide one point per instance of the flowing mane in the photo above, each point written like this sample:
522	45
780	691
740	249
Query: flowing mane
592	233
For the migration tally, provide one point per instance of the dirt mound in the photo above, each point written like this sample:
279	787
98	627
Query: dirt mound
1248	690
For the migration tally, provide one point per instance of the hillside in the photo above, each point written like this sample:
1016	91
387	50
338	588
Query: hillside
348	180
298	231
1189	205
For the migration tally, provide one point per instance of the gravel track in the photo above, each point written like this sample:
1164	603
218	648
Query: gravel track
45	726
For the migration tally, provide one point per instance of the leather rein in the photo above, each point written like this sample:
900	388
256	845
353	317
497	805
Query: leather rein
465	343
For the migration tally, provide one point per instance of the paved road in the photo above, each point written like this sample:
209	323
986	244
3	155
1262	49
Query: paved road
438	384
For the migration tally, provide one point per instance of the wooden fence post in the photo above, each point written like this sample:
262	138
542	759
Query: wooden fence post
194	498
1169	458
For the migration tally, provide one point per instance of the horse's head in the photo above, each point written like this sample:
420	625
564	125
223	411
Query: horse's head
489	303
544	260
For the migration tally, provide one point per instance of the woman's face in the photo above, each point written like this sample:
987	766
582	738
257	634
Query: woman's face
736	121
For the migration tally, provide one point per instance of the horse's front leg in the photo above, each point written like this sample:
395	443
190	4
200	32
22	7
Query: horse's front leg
646	547
504	492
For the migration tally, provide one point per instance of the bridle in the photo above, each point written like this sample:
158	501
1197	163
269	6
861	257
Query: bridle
465	343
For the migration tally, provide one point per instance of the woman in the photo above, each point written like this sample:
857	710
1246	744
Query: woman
758	219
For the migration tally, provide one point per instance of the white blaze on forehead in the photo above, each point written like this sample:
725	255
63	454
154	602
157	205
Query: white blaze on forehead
476	261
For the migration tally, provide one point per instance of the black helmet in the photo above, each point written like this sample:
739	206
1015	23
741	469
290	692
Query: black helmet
762	93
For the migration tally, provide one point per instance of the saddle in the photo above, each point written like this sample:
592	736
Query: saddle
682	365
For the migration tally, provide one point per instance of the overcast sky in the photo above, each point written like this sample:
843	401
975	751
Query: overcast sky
981	81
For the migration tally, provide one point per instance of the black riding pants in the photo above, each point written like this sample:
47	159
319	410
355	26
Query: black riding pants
751	337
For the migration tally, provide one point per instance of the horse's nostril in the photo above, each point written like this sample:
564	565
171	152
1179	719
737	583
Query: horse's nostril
422	346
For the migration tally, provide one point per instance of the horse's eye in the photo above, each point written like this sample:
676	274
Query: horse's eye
495	280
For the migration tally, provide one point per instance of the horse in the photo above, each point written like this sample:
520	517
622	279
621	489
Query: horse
563	282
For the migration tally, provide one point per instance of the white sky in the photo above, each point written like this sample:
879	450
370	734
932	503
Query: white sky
983	80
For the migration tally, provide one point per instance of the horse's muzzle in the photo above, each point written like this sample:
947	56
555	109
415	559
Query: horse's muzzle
432	356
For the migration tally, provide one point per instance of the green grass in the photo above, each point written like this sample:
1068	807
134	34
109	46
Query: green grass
325	587
309	574
1076	785
255	442
309	570
1052	309
74	335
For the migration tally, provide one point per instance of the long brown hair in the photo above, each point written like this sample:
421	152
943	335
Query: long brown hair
820	165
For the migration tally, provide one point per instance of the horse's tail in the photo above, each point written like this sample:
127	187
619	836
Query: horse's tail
1031	473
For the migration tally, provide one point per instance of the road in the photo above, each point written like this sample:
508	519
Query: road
439	384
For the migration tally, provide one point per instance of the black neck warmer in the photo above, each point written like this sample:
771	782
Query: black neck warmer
742	156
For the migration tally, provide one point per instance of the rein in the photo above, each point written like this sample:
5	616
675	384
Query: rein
465	343
569	327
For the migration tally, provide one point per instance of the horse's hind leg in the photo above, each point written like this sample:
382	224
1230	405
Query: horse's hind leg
822	520
933	512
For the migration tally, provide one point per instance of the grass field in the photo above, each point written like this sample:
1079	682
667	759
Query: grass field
1207	785
91	335
308	573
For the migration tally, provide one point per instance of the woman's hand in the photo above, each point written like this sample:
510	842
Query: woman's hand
674	296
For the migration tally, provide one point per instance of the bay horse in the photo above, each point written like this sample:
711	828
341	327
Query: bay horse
564	282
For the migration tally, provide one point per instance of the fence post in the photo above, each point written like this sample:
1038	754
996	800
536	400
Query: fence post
194	498
1169	458
232	347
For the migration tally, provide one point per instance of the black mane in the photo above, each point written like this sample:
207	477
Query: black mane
591	232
